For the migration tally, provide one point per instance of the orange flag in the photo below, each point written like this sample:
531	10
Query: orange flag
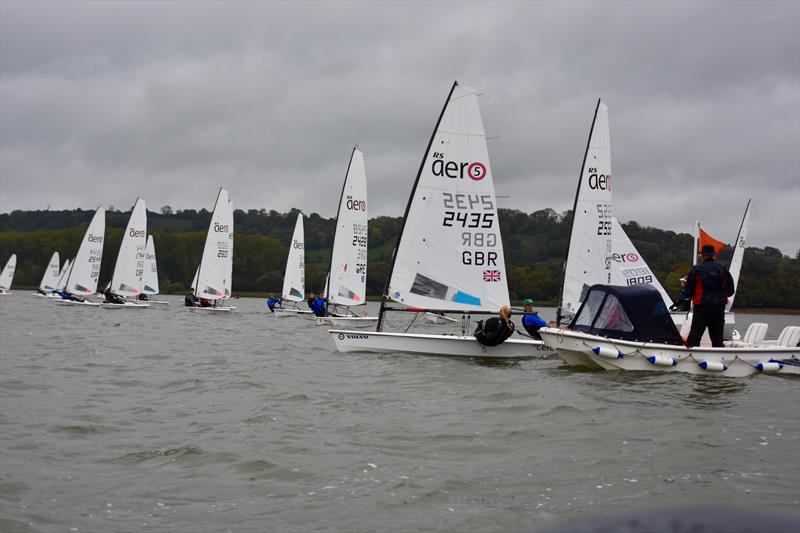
705	238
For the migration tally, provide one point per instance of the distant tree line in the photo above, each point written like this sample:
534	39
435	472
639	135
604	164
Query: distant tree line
535	247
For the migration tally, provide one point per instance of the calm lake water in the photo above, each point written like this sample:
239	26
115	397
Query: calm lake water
165	420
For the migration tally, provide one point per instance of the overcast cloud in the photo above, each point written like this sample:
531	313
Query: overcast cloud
101	102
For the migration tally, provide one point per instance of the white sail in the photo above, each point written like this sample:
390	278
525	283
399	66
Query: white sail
216	265
50	277
63	275
150	281
85	268
590	247
294	281
194	279
628	267
7	275
450	254
347	281
129	269
738	254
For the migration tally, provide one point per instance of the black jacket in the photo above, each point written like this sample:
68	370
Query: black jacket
494	331
709	283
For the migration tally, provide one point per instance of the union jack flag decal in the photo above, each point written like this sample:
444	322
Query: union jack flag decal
491	275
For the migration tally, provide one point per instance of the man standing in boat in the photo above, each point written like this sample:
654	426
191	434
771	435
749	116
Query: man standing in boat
709	284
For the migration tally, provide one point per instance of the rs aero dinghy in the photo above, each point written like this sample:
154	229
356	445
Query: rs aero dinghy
294	279
449	254
7	274
49	283
212	282
629	328
346	284
84	271
150	280
127	280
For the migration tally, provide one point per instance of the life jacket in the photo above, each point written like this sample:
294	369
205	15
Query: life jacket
493	331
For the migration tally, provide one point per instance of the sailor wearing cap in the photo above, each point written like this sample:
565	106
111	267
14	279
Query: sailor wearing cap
531	320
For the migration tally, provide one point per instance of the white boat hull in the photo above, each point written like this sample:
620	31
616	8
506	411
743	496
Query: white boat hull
212	309
286	313
582	349
352	321
50	296
73	302
425	344
126	305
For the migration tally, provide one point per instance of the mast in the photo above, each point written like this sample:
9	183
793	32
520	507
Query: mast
574	209
379	326
336	226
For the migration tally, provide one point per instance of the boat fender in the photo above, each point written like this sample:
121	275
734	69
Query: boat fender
712	366
662	360
769	366
608	353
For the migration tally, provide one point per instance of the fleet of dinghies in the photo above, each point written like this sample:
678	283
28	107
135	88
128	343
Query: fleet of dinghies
613	313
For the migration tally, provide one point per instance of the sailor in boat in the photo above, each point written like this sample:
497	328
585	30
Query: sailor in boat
190	300
112	298
709	284
310	301
320	306
65	294
683	303
495	330
531	320
273	302
143	297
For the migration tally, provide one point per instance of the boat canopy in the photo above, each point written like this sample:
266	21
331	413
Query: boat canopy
634	313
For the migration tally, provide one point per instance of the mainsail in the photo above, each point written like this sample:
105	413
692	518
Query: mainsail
150	280
738	254
347	279
129	269
294	280
7	275
449	255
216	266
63	275
628	265
590	247
85	269
51	273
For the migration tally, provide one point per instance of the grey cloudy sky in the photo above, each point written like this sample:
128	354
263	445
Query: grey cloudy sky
101	102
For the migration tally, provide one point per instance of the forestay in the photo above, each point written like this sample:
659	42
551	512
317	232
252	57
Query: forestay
51	274
628	267
590	247
294	280
216	265
347	278
7	275
450	253
129	270
150	281
85	268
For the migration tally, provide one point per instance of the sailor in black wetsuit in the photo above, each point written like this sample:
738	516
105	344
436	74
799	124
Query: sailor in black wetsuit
190	300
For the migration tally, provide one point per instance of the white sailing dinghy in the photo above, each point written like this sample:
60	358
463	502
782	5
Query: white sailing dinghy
7	275
449	254
85	268
150	279
629	328
294	279
62	278
213	279
47	286
127	280
346	284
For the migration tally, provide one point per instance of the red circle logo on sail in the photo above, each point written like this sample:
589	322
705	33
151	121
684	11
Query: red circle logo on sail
632	257
476	171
